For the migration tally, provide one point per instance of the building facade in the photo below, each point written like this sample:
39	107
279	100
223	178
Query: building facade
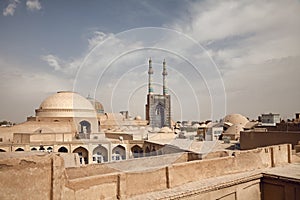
158	107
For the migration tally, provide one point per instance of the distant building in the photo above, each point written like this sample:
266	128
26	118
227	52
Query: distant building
270	119
158	107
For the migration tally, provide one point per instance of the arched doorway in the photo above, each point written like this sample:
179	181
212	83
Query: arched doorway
118	153
63	150
100	154
83	154
19	149
137	151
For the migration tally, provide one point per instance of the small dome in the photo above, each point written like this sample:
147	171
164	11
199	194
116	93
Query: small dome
97	105
65	104
236	119
138	118
165	130
234	130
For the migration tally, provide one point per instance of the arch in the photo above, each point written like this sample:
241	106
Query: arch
160	113
63	149
137	151
2	150
19	149
41	148
83	154
85	127
33	149
100	154
119	153
49	149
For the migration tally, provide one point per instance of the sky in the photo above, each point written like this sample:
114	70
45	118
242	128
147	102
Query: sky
222	56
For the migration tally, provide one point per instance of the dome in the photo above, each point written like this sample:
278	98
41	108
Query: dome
65	104
138	118
165	129
236	119
97	105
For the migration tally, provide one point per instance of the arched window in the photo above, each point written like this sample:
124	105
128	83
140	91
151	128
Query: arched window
19	149
85	127
137	151
63	150
33	149
1	150
49	149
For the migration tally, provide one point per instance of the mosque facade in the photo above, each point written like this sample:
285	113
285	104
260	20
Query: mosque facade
158	107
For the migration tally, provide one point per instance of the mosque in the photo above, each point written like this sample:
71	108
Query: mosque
68	122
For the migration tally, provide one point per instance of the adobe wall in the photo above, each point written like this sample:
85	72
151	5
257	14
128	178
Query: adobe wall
38	176
47	175
252	140
143	182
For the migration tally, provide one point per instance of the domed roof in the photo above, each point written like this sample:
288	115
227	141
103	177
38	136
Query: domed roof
234	130
97	105
65	104
138	118
165	129
236	119
66	100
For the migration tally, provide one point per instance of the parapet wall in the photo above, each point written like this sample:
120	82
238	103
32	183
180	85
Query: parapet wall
128	184
47	175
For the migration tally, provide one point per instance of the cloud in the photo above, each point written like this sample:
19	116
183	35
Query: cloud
67	67
96	38
10	9
33	5
249	40
33	86
53	61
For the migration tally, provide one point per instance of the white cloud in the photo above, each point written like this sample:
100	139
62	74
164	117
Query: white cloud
243	37
68	67
53	61
33	5
10	9
96	38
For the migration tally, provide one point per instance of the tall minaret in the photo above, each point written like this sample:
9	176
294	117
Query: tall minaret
150	72
165	73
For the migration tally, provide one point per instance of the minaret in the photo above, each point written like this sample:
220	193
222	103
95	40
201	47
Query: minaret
165	73
150	72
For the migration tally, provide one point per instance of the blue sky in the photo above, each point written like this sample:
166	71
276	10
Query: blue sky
223	56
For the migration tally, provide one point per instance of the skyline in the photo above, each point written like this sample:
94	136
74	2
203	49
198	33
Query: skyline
101	48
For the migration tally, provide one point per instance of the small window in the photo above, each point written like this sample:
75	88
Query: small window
1	139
